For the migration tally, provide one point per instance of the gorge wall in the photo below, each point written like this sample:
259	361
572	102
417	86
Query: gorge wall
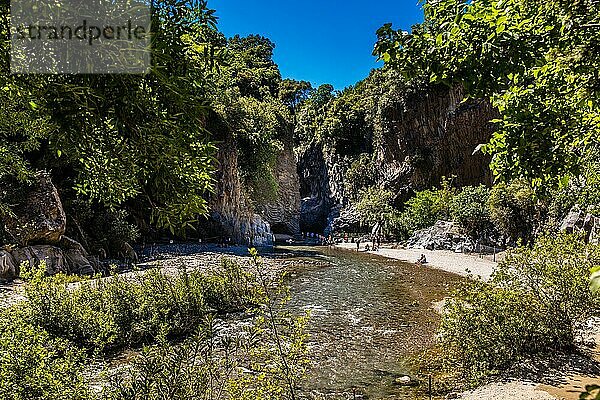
233	214
432	134
427	134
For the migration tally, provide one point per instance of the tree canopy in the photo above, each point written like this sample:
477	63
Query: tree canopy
536	60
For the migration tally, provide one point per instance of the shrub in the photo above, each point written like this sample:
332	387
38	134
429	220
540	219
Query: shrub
426	208
34	365
514	211
123	310
533	305
260	361
470	209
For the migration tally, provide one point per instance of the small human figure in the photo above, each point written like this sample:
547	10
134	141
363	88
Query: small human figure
422	260
357	245
367	247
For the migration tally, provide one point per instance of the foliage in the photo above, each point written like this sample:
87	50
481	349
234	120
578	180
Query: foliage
258	127
263	360
592	392
122	137
426	208
582	191
256	74
514	210
360	175
141	142
469	208
352	121
99	230
293	93
119	311
253	105
374	206
532	305
536	60
35	365
263	356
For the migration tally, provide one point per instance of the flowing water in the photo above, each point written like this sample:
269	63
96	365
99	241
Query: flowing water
370	317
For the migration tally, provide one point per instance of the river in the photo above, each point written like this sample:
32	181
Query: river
371	317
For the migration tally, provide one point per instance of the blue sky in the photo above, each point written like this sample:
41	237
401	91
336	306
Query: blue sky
321	41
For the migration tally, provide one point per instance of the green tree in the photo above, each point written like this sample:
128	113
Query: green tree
470	209
375	207
293	92
536	60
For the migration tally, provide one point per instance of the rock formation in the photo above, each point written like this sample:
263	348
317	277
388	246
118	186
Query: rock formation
578	221
232	215
283	215
321	187
434	133
37	215
428	134
37	224
9	269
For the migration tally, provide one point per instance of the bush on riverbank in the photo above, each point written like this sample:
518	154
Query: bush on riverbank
43	340
469	208
120	311
35	365
532	306
265	360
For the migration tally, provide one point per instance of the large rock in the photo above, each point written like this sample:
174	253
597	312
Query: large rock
442	236
583	223
34	255
573	222
8	266
37	214
78	260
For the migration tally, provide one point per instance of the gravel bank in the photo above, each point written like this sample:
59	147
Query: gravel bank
456	263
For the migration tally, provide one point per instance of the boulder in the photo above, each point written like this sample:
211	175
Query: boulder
78	260
37	214
406	381
34	255
8	266
443	235
578	221
573	221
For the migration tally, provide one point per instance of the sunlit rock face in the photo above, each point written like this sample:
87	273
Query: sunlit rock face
234	218
283	214
434	133
426	134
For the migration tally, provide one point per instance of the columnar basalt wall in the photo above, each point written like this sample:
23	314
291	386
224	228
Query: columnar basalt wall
233	214
431	133
283	214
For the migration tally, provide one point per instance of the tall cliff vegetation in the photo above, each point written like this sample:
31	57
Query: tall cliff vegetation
129	150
